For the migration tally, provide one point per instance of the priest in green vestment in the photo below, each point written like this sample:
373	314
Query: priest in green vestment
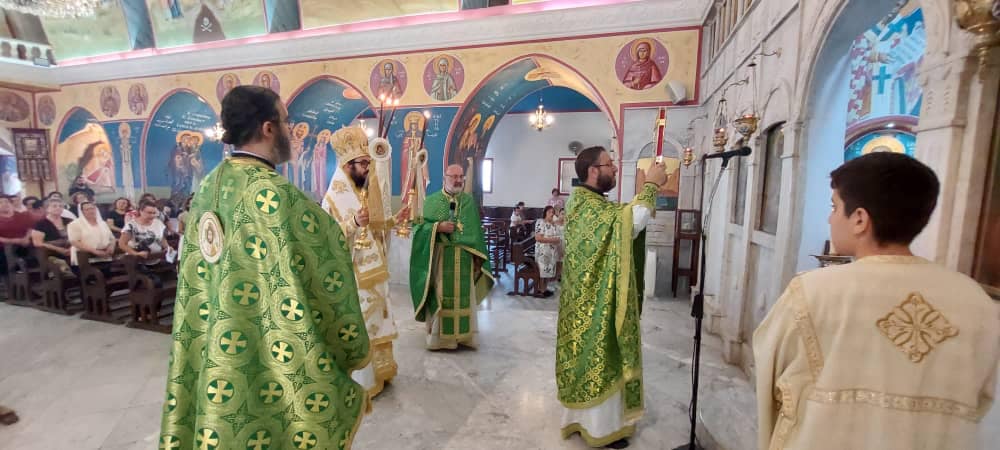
449	269
598	349
267	323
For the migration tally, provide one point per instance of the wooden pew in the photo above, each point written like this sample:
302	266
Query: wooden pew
21	276
526	272
105	298
57	287
496	234
152	307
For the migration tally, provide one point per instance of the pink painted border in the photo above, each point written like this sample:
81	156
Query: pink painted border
594	91
149	120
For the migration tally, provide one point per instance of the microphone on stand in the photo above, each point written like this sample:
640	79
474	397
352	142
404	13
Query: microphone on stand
743	151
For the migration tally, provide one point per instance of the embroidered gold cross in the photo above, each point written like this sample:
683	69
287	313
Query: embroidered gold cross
915	327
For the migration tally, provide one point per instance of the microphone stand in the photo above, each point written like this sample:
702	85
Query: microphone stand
698	306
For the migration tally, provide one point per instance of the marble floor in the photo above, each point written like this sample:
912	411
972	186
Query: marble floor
82	385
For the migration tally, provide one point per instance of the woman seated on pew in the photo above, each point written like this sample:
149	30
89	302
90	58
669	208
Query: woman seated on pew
50	234
91	235
144	237
116	217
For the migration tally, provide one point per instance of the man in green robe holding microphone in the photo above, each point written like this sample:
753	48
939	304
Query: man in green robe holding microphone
598	349
449	270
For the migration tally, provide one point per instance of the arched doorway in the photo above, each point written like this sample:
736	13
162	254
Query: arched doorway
477	120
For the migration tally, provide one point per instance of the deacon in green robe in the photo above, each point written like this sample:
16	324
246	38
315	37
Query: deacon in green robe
267	323
449	270
598	350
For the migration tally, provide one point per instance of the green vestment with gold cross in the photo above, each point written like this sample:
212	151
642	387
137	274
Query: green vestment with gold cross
598	349
265	338
450	273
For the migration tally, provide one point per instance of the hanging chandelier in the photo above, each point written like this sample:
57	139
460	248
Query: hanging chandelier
540	119
52	8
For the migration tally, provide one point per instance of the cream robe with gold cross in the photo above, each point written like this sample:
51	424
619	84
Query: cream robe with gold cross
889	352
342	201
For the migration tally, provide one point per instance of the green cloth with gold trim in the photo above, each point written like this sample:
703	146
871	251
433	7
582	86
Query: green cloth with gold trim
460	257
264	339
598	349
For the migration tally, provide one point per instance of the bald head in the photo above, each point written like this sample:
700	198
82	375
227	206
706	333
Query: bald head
454	179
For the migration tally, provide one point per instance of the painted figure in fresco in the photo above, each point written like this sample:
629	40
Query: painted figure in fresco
137	98
389	84
174	8
299	133
207	27
470	138
643	74
317	181
444	87
186	167
110	101
97	167
411	145
265	80
125	139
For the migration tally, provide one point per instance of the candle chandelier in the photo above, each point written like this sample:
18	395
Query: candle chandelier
540	119
52	8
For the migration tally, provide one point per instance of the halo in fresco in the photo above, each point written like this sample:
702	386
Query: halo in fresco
642	63
46	110
138	98
443	77
226	83
269	80
388	79
111	101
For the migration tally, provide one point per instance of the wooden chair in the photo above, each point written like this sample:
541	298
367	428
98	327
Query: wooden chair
527	275
152	307
21	275
57	286
105	298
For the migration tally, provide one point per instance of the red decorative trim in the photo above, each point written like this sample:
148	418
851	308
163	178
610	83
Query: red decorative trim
149	120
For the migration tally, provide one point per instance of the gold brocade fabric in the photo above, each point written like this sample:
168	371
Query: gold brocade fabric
598	344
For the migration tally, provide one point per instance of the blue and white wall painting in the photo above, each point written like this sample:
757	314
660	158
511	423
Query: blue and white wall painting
885	95
176	140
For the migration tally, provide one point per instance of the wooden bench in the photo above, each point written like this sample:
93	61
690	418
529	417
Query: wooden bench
495	233
105	298
21	276
152	307
527	275
57	287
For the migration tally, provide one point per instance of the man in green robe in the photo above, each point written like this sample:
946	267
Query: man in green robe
598	350
449	270
267	324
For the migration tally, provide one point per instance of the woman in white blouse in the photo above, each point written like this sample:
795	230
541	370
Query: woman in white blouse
548	236
92	235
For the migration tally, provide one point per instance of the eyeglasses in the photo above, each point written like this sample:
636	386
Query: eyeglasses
604	165
363	163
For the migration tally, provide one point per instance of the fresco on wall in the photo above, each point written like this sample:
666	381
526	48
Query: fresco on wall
105	32
488	104
83	150
13	107
882	141
111	101
46	110
404	135
666	199
388	79
883	69
642	63
225	84
318	110
125	139
319	13
443	77
138	98
269	80
176	141
182	22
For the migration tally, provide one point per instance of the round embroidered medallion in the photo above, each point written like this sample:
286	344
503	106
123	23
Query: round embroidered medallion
210	237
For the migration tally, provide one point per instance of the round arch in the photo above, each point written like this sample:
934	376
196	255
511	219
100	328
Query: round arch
78	128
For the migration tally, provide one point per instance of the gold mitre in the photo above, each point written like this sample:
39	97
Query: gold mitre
349	143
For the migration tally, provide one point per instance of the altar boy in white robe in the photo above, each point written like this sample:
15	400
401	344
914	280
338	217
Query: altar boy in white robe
891	351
